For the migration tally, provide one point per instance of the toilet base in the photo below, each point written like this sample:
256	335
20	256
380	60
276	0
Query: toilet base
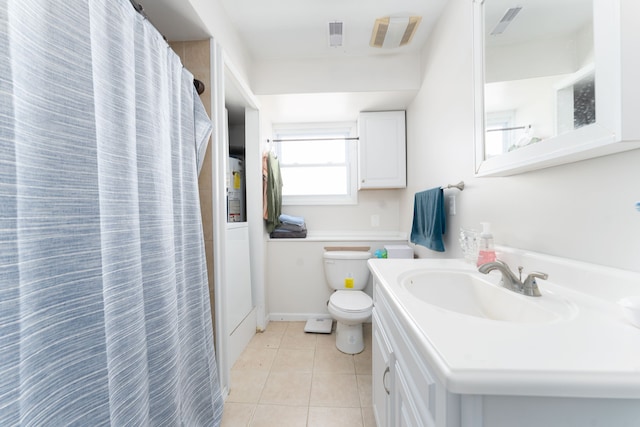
349	338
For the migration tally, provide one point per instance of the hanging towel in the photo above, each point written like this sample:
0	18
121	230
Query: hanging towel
265	184
429	219
274	192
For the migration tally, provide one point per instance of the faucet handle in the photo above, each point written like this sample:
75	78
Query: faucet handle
530	286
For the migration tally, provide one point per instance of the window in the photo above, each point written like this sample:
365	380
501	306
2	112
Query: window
499	135
317	163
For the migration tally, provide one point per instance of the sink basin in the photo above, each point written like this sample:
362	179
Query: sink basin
469	293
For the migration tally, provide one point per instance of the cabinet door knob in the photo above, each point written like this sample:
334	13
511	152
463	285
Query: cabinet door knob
384	380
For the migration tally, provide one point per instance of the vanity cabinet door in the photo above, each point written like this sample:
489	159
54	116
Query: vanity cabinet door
404	390
404	411
382	386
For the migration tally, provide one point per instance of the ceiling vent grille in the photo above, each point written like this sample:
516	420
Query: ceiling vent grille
335	34
379	32
390	32
506	19
409	32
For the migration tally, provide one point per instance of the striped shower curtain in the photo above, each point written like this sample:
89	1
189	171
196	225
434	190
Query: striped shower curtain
104	306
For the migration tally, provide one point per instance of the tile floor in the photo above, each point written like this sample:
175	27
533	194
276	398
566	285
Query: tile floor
286	377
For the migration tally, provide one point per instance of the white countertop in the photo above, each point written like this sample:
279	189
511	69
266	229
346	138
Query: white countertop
595	353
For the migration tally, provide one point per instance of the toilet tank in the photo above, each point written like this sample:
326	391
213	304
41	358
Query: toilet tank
345	270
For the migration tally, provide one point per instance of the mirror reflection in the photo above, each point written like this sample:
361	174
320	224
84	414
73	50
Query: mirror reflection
539	72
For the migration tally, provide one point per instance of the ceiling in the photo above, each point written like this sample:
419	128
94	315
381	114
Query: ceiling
277	29
299	29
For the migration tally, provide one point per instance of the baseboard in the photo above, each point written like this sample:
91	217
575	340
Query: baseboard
296	317
301	317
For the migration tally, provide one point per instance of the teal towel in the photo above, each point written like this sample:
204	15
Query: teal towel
429	220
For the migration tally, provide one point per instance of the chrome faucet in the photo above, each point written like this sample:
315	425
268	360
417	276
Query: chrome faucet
509	280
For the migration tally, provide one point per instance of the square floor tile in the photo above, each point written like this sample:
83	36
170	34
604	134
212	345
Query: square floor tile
274	326
330	359
287	388
256	359
326	340
266	340
237	414
296	337
280	416
335	390
335	417
246	385
293	360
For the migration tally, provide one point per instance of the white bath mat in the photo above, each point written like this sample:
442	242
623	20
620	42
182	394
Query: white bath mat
319	326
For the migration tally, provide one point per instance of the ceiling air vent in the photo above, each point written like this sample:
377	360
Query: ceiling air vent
335	34
506	19
393	32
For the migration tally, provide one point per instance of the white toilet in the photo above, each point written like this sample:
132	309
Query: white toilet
348	274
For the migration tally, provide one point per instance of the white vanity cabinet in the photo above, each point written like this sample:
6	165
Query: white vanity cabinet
382	158
381	370
404	391
435	368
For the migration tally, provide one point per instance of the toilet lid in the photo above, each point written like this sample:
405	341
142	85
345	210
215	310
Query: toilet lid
351	301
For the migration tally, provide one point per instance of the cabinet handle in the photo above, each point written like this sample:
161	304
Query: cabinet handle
384	382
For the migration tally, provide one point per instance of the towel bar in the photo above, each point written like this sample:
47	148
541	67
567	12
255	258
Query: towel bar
459	186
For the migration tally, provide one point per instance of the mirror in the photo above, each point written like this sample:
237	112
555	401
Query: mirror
540	98
537	63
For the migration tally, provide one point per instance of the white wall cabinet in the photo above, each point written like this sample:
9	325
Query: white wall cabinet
382	152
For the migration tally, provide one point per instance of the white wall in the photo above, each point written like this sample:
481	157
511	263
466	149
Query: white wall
297	287
582	211
383	203
218	24
358	74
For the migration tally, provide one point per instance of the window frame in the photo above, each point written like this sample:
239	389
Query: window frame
316	131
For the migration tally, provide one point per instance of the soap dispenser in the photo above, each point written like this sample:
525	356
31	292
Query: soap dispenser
486	252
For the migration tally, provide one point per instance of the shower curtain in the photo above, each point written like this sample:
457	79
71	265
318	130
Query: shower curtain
104	306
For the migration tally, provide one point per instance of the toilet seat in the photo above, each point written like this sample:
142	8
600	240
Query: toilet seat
351	301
